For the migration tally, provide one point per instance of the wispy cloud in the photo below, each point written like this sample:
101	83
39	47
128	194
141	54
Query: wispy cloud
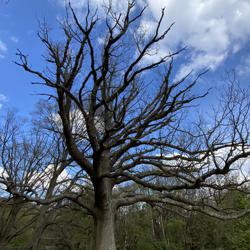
14	39
77	4
3	49
243	69
3	46
3	99
212	30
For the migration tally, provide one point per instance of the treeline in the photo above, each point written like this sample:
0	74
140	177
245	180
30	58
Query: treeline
139	227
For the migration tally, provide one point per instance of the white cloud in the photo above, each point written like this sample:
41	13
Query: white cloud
3	98
100	40
14	39
3	46
212	29
202	61
3	49
243	69
78	4
40	180
78	123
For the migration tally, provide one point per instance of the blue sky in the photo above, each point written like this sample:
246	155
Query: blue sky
18	27
216	32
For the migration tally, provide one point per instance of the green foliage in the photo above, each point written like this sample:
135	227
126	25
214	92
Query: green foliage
141	227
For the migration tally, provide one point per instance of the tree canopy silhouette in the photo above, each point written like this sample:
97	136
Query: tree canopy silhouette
126	123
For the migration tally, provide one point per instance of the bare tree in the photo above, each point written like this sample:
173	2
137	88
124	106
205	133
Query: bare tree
17	158
32	167
136	137
57	179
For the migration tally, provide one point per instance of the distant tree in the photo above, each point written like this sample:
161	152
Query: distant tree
57	180
134	133
17	161
32	164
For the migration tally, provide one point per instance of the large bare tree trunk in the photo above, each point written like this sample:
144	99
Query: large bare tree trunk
104	230
104	209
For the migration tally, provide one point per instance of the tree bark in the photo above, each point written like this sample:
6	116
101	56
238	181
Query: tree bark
104	230
104	208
